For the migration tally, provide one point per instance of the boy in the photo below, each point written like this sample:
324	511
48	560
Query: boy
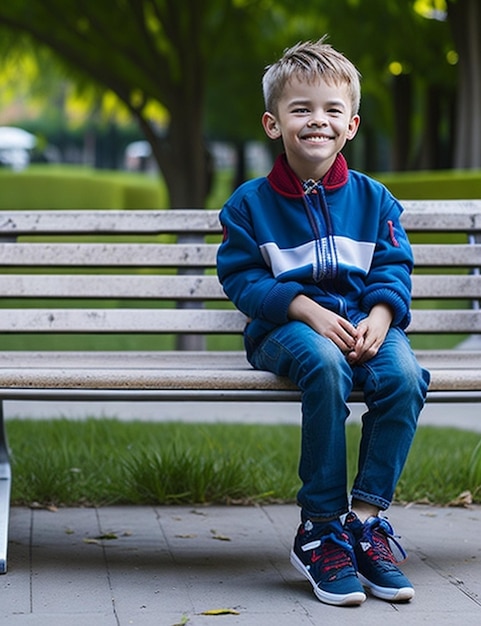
315	256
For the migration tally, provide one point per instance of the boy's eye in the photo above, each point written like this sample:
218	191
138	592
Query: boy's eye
300	110
336	111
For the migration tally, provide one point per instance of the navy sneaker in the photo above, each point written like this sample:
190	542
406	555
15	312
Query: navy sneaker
322	553
376	563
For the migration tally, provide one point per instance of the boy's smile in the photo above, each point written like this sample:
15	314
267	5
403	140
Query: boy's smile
314	120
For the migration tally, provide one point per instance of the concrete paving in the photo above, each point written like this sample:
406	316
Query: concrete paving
167	566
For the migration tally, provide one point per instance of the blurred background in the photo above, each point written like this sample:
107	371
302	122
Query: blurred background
161	99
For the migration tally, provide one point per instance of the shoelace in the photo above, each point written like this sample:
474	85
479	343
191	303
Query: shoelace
334	559
379	533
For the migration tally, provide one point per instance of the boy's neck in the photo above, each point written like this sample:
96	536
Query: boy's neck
283	178
335	176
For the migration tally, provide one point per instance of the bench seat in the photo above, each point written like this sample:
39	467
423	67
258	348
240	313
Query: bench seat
201	375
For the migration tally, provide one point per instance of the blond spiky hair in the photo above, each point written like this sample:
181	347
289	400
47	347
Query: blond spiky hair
310	61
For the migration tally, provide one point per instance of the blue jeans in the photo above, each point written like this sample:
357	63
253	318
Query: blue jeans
394	387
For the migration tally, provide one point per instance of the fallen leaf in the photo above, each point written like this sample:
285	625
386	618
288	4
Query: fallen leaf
464	499
107	536
220	612
46	507
183	621
423	501
93	541
216	535
188	536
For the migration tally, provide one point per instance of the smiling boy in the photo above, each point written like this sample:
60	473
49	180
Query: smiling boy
315	256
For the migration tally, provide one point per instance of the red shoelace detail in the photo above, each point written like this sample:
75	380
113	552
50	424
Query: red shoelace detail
335	553
380	549
378	534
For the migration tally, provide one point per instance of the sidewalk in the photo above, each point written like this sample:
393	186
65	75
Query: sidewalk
165	566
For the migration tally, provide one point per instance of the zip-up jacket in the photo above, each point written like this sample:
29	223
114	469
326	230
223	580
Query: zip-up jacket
341	245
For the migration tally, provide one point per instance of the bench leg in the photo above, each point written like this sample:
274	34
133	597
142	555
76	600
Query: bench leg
5	483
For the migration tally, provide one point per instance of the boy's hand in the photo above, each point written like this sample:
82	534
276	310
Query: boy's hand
325	322
371	333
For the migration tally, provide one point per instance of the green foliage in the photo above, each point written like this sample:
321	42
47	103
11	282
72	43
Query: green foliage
443	463
63	187
442	185
203	61
105	461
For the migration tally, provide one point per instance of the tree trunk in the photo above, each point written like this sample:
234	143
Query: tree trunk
240	164
430	156
184	163
402	96
465	20
182	158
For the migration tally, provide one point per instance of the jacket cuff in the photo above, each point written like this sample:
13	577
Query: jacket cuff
277	301
402	315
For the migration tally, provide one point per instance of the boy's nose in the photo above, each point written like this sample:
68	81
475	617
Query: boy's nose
317	121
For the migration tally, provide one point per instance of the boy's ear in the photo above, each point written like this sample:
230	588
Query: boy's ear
353	127
271	126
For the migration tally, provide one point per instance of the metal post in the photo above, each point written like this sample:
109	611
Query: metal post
5	486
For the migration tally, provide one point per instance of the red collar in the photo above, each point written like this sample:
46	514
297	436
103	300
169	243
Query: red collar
283	179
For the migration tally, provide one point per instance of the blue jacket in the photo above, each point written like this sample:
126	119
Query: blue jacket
342	246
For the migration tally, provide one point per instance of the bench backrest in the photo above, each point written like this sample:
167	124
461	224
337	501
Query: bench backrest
127	271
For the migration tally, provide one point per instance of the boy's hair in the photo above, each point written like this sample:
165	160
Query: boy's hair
310	61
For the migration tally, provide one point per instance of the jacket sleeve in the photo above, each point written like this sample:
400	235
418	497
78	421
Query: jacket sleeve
247	280
389	279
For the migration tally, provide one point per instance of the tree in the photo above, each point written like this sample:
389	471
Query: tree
465	20
142	50
407	81
199	56
402	59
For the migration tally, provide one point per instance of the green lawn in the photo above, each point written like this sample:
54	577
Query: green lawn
105	461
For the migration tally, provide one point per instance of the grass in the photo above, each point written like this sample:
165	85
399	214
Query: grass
104	461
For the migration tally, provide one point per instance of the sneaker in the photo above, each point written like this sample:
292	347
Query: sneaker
376	563
322	553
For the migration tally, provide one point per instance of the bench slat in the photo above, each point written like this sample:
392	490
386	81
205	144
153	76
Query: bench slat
442	215
441	255
185	287
121	321
191	321
113	359
419	215
190	360
445	321
191	287
185	255
160	373
105	255
448	286
108	222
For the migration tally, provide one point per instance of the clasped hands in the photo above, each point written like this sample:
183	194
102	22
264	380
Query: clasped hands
359	343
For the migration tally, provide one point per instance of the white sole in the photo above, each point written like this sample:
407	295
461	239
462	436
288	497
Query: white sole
403	594
349	599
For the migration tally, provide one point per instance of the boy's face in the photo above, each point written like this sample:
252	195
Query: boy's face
314	120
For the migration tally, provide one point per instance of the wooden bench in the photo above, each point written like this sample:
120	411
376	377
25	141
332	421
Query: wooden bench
108	272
